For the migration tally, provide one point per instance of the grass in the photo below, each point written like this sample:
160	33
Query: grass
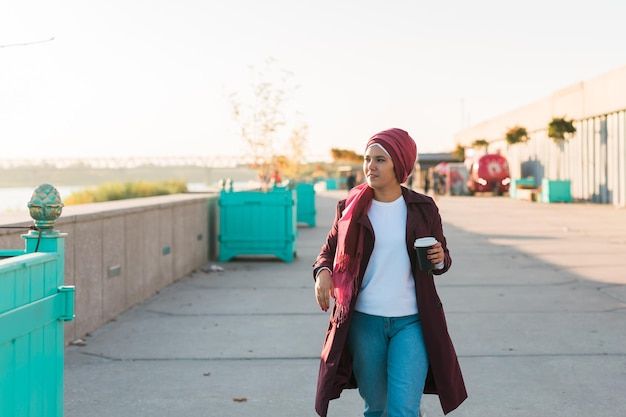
111	191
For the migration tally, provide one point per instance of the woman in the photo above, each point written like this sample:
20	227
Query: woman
387	333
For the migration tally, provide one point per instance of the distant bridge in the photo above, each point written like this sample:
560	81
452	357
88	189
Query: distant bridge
212	161
126	162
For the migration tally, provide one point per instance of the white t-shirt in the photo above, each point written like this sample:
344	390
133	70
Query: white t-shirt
388	288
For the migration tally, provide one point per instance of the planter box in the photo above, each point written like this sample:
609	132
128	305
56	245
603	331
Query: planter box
306	204
553	191
258	223
522	188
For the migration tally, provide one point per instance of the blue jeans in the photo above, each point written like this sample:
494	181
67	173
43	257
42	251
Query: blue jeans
390	363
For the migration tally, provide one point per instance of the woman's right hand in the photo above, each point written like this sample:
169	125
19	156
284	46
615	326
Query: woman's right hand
324	289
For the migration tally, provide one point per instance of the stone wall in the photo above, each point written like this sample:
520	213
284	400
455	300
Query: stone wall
119	253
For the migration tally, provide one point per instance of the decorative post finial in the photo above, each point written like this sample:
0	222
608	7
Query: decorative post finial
45	206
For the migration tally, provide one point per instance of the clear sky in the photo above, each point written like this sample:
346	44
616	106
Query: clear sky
152	78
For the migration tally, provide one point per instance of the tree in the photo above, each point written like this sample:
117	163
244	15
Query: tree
516	134
296	144
345	155
263	119
25	43
560	130
459	152
480	143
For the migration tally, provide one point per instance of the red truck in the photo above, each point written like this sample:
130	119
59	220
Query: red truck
489	173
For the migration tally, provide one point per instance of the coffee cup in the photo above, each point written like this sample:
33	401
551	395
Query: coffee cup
421	246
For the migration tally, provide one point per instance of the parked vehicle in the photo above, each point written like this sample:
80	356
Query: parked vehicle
489	173
450	178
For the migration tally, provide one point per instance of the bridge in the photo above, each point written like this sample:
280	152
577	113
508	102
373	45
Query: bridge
109	162
127	162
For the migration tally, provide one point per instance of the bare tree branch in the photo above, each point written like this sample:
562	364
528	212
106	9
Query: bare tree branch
26	43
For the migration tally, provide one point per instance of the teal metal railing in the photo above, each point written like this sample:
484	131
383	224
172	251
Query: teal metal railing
34	305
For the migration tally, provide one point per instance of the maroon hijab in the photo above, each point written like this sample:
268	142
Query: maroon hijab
403	152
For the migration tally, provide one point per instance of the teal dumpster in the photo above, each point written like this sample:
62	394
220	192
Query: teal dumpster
556	191
520	183
306	204
257	223
331	184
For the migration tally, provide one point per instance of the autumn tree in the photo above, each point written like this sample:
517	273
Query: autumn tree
459	152
346	156
264	123
295	147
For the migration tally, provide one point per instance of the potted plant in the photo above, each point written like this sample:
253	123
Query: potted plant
560	130
516	134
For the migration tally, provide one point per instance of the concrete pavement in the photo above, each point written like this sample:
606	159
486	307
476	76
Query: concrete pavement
535	301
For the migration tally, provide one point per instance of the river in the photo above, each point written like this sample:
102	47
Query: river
15	199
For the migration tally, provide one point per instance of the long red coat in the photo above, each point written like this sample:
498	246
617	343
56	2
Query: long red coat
444	374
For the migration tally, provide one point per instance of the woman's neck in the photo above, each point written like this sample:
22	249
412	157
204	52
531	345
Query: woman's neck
388	195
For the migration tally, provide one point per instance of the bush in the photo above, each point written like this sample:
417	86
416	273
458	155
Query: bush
121	191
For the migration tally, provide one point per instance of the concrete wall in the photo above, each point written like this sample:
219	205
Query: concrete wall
118	254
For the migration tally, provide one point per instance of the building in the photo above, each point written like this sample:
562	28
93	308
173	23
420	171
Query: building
593	160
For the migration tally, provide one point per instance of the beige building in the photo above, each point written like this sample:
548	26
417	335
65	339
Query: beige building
594	160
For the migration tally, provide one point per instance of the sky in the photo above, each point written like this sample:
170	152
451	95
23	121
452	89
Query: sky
139	78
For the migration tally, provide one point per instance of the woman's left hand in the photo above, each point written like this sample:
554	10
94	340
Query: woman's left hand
435	253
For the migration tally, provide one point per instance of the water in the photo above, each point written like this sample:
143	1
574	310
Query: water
15	199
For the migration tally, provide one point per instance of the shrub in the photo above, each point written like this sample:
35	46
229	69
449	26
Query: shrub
121	191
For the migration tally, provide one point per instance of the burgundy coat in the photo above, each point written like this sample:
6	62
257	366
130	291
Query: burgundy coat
444	374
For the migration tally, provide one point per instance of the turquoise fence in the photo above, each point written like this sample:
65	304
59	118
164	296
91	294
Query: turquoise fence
34	304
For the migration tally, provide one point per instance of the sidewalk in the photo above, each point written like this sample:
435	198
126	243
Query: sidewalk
535	301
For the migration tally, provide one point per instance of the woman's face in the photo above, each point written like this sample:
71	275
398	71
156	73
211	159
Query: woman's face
378	169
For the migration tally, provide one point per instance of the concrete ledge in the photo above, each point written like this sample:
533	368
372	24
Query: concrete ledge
119	253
